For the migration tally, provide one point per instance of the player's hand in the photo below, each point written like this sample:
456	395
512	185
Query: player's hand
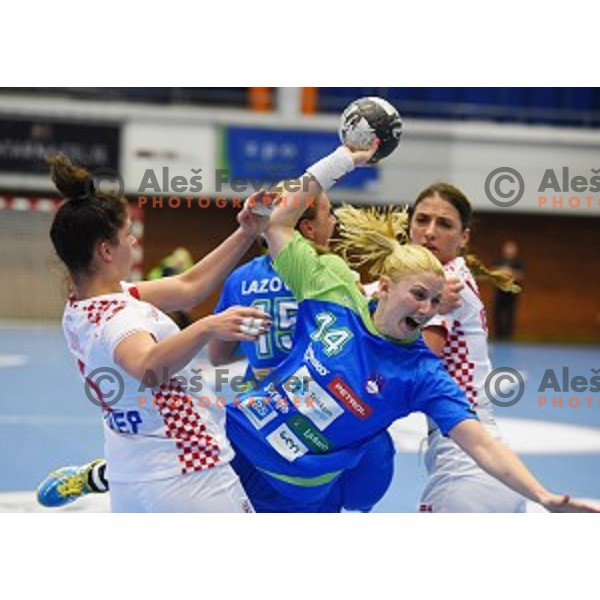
238	324
362	157
564	503
253	218
450	295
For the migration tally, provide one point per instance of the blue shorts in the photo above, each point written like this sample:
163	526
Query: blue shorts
364	486
357	489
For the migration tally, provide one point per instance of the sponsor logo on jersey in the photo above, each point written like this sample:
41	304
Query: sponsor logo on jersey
281	402
309	434
286	443
346	395
317	404
374	384
313	361
259	411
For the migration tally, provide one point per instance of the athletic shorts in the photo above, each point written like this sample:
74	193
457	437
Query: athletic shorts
357	489
215	490
458	485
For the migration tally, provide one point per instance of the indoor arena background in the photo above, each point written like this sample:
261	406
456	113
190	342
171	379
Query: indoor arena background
468	136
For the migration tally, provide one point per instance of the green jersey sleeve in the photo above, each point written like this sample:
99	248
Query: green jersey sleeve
315	276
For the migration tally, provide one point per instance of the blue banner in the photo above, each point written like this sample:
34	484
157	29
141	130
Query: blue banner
271	155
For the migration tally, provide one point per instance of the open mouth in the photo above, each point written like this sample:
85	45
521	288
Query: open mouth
412	323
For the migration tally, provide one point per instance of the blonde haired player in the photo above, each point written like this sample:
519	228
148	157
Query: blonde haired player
440	220
367	366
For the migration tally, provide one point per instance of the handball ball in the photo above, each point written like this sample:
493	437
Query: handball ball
368	118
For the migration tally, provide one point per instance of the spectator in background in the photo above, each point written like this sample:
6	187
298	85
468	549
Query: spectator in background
505	304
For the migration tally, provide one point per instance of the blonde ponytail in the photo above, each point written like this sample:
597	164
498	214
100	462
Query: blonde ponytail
378	237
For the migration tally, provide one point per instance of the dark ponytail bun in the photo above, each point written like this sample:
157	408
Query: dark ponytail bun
85	218
72	181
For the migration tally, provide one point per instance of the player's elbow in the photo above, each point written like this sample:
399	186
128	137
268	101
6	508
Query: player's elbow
473	439
470	436
190	292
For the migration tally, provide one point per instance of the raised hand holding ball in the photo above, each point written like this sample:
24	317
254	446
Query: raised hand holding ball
369	118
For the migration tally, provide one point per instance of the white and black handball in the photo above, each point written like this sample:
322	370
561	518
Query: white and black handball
368	118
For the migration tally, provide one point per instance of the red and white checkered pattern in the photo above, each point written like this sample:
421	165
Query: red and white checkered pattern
198	450
27	203
465	353
100	311
457	362
49	205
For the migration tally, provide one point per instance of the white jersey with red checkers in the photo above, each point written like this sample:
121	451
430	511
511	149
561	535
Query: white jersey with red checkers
465	354
456	483
154	431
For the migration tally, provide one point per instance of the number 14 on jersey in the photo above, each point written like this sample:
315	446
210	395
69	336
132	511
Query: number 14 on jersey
333	338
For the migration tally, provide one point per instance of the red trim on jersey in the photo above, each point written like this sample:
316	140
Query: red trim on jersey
475	290
133	291
93	386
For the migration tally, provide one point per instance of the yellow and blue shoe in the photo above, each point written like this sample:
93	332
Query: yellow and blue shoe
67	484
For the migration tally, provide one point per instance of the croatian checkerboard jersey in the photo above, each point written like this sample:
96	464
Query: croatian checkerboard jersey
151	431
456	483
466	351
342	385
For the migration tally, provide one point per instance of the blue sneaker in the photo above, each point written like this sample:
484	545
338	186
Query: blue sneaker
67	484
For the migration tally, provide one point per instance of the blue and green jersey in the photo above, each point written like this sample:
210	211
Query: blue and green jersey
343	383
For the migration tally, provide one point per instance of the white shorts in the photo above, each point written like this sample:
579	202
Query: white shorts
457	484
216	490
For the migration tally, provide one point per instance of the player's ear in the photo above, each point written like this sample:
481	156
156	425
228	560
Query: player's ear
305	227
466	236
384	286
104	251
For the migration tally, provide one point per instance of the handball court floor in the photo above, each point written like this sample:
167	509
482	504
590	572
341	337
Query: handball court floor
46	421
